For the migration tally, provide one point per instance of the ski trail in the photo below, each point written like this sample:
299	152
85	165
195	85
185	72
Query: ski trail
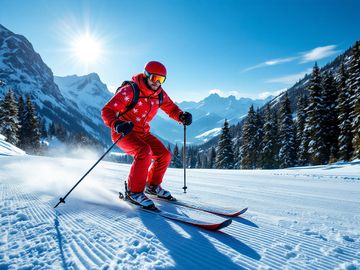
110	237
26	237
281	247
93	236
290	224
88	241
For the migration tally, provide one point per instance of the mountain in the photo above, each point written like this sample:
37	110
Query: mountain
208	117
75	105
87	93
75	102
23	69
301	86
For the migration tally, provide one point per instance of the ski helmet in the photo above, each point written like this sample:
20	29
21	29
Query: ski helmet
154	67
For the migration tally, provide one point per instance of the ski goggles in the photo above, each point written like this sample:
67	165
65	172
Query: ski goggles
155	77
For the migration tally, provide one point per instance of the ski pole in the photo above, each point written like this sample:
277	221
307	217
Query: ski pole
184	160
62	200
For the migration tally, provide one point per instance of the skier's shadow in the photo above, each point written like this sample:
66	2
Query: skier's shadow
59	240
198	250
245	222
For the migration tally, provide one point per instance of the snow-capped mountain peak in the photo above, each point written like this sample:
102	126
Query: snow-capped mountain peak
86	92
76	105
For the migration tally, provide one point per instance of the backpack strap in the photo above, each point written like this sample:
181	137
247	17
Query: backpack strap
161	98
136	94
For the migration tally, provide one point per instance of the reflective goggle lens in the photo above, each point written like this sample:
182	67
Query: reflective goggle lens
154	77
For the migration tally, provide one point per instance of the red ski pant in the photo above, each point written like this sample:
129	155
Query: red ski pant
145	147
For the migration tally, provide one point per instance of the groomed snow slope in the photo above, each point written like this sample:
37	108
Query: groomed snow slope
7	149
304	218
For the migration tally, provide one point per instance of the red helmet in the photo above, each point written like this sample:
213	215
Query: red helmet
154	67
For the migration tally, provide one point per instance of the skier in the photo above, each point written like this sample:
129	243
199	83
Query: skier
132	120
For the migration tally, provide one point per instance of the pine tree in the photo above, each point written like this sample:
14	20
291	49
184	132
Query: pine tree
300	119
344	110
21	118
303	154
287	153
9	123
225	153
354	86
60	132
302	134
176	161
248	145
315	120
198	164
331	126
276	140
191	157
51	132
212	158
259	138
204	160
31	128
237	155
43	131
181	152
269	141
169	148
80	139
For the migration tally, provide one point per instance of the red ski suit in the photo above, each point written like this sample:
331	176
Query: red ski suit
140	143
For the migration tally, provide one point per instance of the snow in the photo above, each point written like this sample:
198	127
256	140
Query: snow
298	218
209	134
87	92
7	149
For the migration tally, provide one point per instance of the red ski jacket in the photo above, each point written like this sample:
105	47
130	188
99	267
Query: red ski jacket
143	112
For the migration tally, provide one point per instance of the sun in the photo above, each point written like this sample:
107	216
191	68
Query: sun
87	49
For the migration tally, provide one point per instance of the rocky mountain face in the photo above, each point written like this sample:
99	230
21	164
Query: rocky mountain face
86	93
23	71
75	102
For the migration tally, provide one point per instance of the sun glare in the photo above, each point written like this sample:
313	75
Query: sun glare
87	49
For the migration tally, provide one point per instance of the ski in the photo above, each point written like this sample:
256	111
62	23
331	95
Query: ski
220	212
212	226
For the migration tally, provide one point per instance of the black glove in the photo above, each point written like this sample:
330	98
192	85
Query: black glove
123	127
185	118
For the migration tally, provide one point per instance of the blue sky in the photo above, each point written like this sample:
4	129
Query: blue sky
244	48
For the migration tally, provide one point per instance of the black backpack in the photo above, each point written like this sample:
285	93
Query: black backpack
136	95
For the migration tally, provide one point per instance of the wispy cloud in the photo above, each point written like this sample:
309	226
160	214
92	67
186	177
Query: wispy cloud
279	61
272	62
290	79
319	53
304	57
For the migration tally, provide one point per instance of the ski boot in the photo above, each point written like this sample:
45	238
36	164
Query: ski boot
158	191
139	198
